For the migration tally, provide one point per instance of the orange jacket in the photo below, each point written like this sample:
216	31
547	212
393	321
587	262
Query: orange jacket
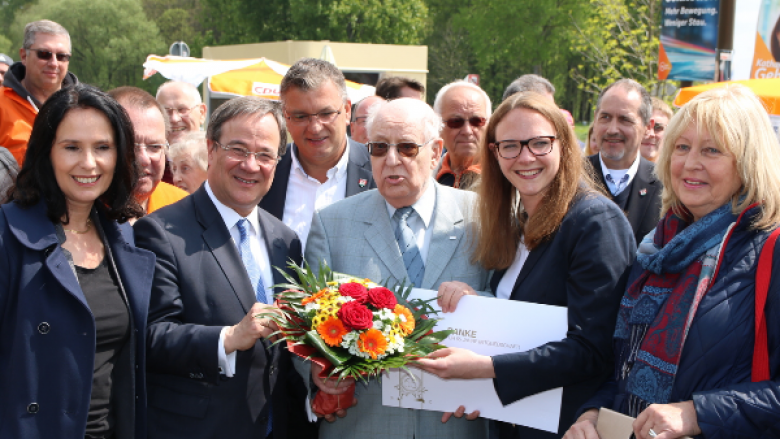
18	110
163	195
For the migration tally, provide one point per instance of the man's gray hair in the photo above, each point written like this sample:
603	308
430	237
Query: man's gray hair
415	110
529	82
646	104
42	27
310	74
438	102
247	106
192	145
190	89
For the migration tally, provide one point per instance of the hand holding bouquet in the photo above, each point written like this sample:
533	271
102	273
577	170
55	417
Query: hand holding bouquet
353	327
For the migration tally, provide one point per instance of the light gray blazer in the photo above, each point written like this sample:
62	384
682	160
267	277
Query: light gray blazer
356	236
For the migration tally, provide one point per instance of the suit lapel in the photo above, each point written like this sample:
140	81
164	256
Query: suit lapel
217	238
380	235
359	177
273	202
594	161
642	192
447	232
533	257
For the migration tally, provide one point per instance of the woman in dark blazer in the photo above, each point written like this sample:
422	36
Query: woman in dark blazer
74	291
552	240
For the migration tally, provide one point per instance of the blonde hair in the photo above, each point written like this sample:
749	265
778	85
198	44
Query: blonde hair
738	123
501	224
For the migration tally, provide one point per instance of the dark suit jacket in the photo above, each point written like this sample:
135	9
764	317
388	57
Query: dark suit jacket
358	172
644	202
47	332
583	267
200	285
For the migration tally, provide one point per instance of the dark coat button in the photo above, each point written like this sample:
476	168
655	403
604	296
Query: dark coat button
44	328
271	370
33	408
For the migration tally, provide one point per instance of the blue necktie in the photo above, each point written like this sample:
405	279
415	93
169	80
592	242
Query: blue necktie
408	246
252	268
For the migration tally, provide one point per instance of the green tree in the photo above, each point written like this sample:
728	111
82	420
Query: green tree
7	48
110	38
619	39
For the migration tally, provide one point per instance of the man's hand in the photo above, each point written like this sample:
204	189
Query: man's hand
668	421
331	386
244	335
459	414
450	294
457	363
585	427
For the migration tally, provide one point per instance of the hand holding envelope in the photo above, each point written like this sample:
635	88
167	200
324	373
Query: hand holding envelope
608	424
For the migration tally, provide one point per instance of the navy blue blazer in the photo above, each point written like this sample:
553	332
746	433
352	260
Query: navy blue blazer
47	332
359	177
583	266
200	286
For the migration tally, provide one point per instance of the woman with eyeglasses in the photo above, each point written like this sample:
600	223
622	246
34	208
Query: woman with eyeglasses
74	290
551	240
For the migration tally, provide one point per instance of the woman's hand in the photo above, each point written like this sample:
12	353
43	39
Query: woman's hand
668	421
450	294
585	427
457	363
459	414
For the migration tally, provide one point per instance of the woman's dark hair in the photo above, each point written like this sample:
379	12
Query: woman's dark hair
36	178
775	42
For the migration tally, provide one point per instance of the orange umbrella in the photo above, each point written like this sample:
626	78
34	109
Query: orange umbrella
768	90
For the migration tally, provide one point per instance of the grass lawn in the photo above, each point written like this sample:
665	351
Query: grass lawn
581	131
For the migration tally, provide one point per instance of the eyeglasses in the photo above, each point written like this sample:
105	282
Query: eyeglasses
458	122
658	128
405	149
360	120
153	150
539	146
183	111
324	117
241	154
46	55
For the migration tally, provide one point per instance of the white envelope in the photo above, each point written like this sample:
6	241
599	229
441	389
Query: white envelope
487	326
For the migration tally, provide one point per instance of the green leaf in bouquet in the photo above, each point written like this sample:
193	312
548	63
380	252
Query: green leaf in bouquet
335	358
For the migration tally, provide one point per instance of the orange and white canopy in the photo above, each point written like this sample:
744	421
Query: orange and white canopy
768	90
226	79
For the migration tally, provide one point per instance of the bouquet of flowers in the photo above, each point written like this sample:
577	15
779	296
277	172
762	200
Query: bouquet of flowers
353	327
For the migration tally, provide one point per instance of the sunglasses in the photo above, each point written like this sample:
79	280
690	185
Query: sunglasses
458	122
405	149
46	55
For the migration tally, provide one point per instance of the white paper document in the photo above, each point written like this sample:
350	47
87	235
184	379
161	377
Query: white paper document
487	326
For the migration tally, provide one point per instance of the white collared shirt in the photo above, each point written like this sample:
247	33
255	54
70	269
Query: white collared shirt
305	194
227	362
421	222
617	174
507	283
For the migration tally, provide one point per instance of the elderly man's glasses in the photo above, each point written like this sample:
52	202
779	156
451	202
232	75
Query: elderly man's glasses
405	149
242	154
458	122
46	55
539	146
360	120
323	117
183	111
153	150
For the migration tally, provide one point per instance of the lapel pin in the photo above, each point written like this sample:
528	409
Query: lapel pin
362	182
642	192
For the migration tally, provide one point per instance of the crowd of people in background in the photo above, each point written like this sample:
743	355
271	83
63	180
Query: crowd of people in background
140	240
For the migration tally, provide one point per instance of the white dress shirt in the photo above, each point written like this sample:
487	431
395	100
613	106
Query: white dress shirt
305	194
617	174
421	222
227	362
507	283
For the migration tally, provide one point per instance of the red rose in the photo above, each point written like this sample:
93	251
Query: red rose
381	297
355	291
356	316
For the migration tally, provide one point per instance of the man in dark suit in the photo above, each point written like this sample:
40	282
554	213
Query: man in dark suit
623	116
212	373
322	165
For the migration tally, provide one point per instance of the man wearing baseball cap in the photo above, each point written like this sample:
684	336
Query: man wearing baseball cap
5	64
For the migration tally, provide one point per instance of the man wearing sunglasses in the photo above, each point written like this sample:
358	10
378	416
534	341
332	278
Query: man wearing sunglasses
43	70
465	109
322	165
410	229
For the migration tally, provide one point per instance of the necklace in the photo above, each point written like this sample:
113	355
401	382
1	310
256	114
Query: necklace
80	232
